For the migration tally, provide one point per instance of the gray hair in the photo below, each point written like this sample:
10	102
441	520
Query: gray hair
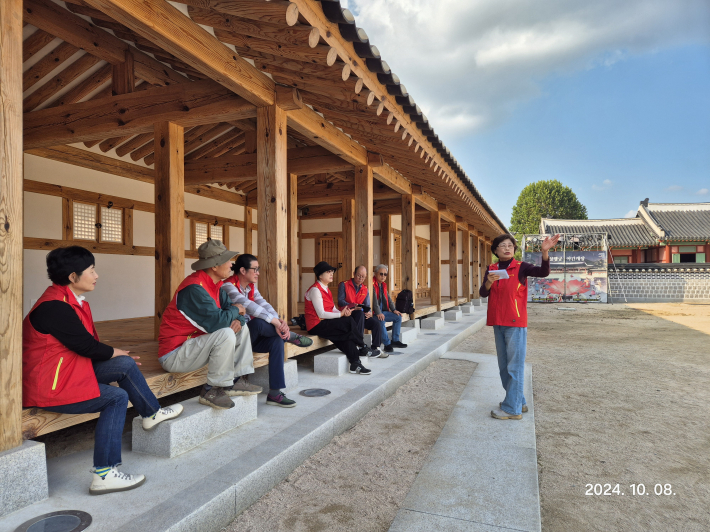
381	267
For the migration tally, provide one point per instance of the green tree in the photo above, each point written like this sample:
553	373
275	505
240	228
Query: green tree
544	199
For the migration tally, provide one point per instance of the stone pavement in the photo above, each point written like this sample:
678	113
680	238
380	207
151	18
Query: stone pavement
205	488
481	474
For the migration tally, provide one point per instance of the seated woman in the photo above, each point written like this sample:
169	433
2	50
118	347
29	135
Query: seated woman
325	320
66	369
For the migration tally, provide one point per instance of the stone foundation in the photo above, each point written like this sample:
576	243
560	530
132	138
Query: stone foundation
659	283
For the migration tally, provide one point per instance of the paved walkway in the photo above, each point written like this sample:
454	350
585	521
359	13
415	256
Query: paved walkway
481	475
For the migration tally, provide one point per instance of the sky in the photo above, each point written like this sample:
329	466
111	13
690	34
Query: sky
610	98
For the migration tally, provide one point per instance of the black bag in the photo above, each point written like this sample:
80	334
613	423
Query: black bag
300	320
405	302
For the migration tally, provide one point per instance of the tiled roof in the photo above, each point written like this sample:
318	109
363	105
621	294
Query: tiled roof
682	221
622	232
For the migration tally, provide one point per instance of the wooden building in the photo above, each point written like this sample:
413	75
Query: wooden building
149	126
659	233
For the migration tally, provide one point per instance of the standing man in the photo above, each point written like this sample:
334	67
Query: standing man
384	309
355	295
201	326
267	331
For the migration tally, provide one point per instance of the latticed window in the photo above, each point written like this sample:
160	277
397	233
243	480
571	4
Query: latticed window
111	225
201	234
84	221
217	232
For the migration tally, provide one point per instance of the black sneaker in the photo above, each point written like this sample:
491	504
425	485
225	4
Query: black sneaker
375	353
398	344
359	368
389	348
364	351
280	400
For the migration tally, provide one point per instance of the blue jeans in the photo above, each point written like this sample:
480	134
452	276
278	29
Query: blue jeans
511	344
265	339
396	327
112	405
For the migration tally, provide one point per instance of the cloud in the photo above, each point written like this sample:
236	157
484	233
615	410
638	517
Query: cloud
702	192
631	214
605	184
468	64
674	188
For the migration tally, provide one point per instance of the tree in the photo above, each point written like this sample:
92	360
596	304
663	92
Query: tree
544	199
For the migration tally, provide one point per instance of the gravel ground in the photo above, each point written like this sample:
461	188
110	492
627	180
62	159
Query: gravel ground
360	479
620	392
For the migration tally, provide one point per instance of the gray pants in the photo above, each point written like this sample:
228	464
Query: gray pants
227	355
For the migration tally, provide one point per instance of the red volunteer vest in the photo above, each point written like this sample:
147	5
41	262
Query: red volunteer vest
175	328
52	374
234	279
351	296
376	286
312	318
507	301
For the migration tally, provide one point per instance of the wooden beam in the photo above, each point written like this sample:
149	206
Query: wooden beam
409	245
186	104
435	257
174	32
248	230
123	79
275	12
385	240
426	201
169	215
293	270
11	220
466	269
272	192
363	219
393	179
453	263
349	235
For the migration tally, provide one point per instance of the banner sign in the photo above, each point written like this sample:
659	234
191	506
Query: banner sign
570	287
596	260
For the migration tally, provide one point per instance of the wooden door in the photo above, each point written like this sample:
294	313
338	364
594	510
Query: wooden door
396	271
330	249
422	269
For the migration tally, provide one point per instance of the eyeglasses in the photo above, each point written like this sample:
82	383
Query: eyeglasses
256	270
382	274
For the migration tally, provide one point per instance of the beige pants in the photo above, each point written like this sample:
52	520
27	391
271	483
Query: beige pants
227	355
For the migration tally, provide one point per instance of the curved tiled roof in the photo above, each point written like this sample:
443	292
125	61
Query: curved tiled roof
623	232
682	221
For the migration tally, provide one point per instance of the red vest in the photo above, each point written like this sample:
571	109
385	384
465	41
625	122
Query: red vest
354	297
376	287
175	328
507	301
52	374
234	279
312	318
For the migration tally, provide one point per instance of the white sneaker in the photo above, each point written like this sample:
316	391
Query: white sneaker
115	481
169	412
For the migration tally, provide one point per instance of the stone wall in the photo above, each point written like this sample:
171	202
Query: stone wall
651	283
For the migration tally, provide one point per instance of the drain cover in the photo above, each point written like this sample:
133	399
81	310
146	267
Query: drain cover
64	521
315	392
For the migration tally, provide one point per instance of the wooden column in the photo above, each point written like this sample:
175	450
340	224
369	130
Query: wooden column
453	264
466	270
169	214
349	237
248	233
435	259
386	240
123	78
409	245
272	191
363	218
293	270
11	214
475	258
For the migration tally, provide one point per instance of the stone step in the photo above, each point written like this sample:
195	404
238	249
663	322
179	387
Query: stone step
432	323
197	424
467	309
330	364
409	335
260	377
453	315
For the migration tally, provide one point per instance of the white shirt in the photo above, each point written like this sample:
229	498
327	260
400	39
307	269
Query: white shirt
315	297
79	299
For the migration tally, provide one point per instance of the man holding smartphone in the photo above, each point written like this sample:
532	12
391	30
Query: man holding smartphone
354	294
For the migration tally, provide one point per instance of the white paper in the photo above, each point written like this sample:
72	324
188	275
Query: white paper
502	273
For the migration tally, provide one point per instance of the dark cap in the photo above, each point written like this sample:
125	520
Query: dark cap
323	267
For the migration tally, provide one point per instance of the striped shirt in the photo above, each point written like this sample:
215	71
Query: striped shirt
259	308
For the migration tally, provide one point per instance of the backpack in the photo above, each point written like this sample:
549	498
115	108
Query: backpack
405	302
300	320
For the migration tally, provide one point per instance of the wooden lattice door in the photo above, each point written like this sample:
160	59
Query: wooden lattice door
396	271
422	270
330	249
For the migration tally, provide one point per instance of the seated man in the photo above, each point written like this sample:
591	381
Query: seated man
354	292
384	309
66	369
201	326
268	332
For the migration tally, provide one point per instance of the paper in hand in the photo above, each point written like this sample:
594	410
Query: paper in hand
503	274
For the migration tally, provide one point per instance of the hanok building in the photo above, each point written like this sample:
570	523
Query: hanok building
660	233
148	127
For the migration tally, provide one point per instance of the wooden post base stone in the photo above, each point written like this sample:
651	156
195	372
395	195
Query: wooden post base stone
23	471
260	377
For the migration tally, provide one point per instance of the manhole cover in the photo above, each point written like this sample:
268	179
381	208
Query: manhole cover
64	521
315	392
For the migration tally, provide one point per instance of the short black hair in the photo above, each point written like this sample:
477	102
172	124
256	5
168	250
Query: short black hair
243	261
502	238
62	262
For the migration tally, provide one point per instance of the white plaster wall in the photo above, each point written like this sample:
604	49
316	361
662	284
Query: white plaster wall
236	239
445	249
376	250
376	220
423	231
144	228
43	216
396	221
445	291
